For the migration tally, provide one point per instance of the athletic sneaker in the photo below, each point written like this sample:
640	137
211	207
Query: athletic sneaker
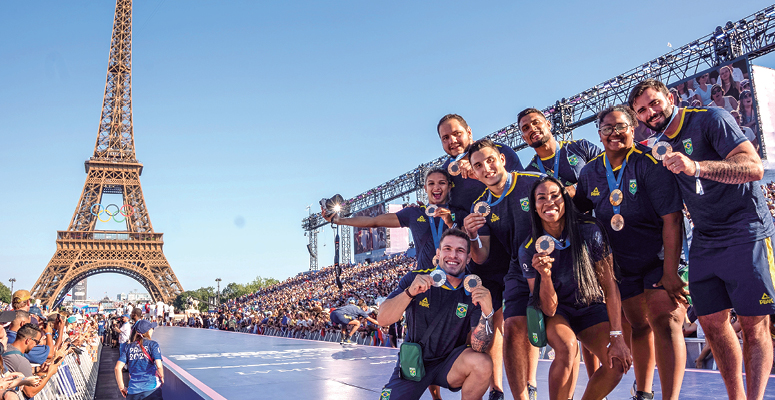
496	395
349	341
643	396
634	388
532	392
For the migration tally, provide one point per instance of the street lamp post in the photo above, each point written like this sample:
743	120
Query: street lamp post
218	281
12	280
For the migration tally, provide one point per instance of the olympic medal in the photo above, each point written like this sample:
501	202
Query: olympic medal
545	244
472	281
616	197
430	210
617	222
482	208
453	168
439	277
435	261
660	150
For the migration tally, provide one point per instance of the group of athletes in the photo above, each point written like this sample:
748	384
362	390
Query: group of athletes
593	238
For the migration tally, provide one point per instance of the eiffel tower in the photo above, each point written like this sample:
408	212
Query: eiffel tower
135	251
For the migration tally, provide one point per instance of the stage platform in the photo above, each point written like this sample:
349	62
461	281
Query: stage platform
235	366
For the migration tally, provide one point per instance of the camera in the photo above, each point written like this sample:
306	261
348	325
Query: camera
335	204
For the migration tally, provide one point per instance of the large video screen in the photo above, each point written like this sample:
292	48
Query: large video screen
369	239
728	86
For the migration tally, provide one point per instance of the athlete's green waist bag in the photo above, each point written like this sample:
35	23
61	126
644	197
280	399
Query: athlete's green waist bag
410	354
410	357
536	327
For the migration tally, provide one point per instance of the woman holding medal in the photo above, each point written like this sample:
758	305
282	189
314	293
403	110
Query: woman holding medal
639	204
570	271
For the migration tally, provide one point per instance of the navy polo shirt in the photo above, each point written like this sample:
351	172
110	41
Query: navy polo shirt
563	277
459	316
415	219
463	195
509	220
574	155
726	215
650	192
351	312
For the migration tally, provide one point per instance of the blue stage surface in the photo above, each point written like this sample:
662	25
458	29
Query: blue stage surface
239	366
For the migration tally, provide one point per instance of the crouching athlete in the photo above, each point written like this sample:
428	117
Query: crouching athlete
450	360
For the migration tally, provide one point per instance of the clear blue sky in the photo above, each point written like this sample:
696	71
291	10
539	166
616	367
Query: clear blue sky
250	111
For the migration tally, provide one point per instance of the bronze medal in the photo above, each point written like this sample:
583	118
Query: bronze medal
472	281
430	210
435	261
545	244
616	197
482	208
660	150
453	168
617	222
439	277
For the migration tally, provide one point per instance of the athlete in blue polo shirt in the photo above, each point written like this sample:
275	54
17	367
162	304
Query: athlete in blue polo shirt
348	316
562	160
731	255
456	139
441	319
572	280
504	216
645	220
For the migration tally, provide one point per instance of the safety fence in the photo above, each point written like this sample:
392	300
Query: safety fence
372	339
76	378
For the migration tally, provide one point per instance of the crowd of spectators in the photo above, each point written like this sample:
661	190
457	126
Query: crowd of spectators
769	194
300	306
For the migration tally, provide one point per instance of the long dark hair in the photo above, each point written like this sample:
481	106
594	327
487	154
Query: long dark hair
589	288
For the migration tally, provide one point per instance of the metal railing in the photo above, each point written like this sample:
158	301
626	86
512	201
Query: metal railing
76	378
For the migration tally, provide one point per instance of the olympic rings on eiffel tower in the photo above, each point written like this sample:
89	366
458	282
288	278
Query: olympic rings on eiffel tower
119	210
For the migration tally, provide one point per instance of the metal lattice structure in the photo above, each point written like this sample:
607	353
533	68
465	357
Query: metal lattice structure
753	36
83	251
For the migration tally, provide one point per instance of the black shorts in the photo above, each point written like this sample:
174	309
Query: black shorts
515	295
631	286
496	292
739	277
435	374
583	318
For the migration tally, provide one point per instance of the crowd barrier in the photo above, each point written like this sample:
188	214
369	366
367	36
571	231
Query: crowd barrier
76	378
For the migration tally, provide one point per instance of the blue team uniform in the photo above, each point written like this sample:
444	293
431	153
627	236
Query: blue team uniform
509	222
573	156
650	192
463	195
579	316
343	315
415	219
731	255
142	371
460	316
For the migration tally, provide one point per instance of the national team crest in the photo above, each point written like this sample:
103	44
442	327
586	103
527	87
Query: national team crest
462	310
525	204
688	146
385	395
633	186
412	371
535	337
573	160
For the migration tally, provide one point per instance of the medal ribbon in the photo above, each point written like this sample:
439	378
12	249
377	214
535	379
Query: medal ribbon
614	183
461	275
672	117
556	170
436	231
509	183
559	245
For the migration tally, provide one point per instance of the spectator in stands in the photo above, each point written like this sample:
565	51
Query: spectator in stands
745	108
21	300
27	337
457	312
728	83
721	99
142	356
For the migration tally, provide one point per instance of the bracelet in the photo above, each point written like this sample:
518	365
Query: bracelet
475	239
696	169
48	333
488	316
478	240
407	293
615	333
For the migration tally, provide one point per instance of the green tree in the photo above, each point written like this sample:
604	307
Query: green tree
234	290
5	293
202	294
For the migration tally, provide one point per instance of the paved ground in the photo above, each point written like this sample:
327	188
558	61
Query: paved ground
107	389
242	366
